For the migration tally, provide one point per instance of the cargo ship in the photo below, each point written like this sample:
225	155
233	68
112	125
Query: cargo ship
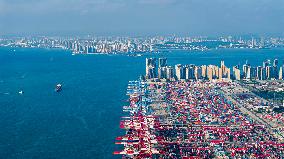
58	87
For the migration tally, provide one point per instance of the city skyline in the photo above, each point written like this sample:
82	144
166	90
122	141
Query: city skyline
270	70
127	45
141	17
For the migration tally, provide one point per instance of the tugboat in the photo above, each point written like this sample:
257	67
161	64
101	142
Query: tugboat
58	87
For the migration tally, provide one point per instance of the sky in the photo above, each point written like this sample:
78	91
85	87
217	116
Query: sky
141	17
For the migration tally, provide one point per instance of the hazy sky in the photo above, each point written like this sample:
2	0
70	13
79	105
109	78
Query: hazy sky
142	17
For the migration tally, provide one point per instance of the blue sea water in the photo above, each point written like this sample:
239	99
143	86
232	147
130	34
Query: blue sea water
82	120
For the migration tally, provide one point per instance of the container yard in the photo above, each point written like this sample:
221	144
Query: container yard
194	119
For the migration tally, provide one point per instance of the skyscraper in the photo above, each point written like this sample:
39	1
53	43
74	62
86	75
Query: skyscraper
237	73
189	71
268	71
275	62
178	69
280	73
245	67
198	72
162	62
223	69
265	64
170	72
150	68
209	72
253	73
162	72
275	69
259	73
248	74
203	67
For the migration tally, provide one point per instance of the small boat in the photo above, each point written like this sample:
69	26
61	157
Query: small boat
58	87
21	92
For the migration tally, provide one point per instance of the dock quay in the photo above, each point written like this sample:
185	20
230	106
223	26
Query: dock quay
193	119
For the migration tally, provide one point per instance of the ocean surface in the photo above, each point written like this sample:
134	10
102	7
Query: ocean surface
81	121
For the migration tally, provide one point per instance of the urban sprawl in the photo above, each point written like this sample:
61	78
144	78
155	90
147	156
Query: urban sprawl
202	112
114	45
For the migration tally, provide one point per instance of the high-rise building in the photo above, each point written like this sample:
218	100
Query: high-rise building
228	75
203	67
150	68
237	73
178	69
183	72
162	62
280	73
209	73
170	72
212	72
248	74
245	70
198	72
162	72
220	73
265	64
222	69
268	71
275	72
264	74
189	72
275	62
259	73
253	73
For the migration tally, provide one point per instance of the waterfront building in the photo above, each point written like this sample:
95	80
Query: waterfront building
162	72
220	73
253	73
264	74
203	67
275	62
170	72
248	72
150	68
237	73
245	70
209	73
189	71
180	72
223	72
269	73
223	69
198	72
178	69
275	72
265	64
228	75
280	73
259	73
215	71
212	72
162	62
